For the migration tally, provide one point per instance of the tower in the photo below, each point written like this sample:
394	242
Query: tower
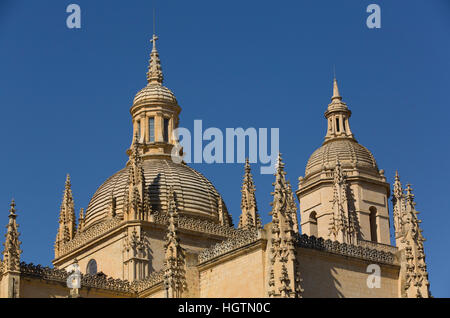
343	195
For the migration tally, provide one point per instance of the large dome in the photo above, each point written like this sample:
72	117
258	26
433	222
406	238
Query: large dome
195	195
348	151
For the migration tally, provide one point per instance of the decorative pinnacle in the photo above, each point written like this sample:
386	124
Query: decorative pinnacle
136	142
409	194
336	94
68	185
12	210
280	164
154	74
247	167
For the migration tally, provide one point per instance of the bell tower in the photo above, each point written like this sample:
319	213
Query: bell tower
343	196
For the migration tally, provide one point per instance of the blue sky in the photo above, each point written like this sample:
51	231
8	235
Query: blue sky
65	95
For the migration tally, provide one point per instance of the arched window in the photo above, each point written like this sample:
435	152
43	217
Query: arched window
151	129
313	230
373	224
91	267
139	129
166	130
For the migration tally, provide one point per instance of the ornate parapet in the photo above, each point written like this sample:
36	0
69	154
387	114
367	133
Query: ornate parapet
378	246
373	253
43	272
61	275
153	279
89	234
242	238
198	225
101	282
160	218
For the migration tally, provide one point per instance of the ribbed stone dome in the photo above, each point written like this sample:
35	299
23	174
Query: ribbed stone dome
195	195
348	151
155	93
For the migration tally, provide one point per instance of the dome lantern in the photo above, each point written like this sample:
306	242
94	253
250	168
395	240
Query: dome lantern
155	113
337	116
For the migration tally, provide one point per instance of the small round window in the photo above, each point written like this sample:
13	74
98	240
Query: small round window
92	267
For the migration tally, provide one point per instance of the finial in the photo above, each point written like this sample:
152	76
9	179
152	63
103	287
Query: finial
154	74
12	210
409	191
280	164
247	166
336	94
67	180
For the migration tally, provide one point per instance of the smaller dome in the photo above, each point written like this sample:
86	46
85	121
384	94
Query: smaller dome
155	93
350	154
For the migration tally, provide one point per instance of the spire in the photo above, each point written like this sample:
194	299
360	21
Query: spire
336	94
174	260
249	218
67	219
154	74
413	271
67	214
81	221
137	197
224	217
343	225
11	252
292	207
284	274
337	115
398	203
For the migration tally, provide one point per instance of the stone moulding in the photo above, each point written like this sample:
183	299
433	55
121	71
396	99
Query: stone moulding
185	223
153	279
61	275
335	247
245	237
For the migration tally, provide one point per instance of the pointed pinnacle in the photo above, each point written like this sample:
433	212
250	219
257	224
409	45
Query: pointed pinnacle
336	94
409	190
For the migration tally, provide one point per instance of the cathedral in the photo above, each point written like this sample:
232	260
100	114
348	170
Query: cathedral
159	229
